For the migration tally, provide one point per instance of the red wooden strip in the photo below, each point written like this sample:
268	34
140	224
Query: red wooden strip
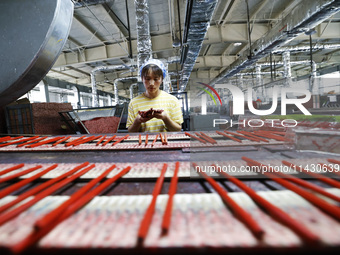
100	140
22	183
208	138
165	139
230	137
195	137
168	210
13	176
89	139
162	139
238	211
146	221
44	142
120	140
8	215
32	141
252	135
322	204
11	138
334	161
40	187
146	139
61	140
35	236
275	137
275	211
332	170
140	139
108	140
154	141
320	177
5	138
7	170
19	141
243	136
51	216
74	141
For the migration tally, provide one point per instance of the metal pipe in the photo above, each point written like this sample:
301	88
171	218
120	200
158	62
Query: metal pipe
302	19
115	86
131	89
143	32
95	101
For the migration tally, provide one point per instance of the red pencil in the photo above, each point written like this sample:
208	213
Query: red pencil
61	140
140	139
195	137
168	210
8	215
238	211
146	139
12	176
40	187
322	204
74	141
100	140
146	221
229	136
19	141
320	177
35	236
7	170
108	140
32	141
154	141
120	140
275	211
51	216
22	183
44	142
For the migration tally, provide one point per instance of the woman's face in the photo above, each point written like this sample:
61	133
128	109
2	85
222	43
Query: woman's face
152	83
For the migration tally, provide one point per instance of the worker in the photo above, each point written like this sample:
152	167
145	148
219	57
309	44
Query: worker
166	114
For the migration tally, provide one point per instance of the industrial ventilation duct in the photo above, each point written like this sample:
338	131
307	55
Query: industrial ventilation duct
144	50
197	22
302	19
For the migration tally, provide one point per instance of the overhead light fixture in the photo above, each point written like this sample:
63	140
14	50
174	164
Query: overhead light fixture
237	44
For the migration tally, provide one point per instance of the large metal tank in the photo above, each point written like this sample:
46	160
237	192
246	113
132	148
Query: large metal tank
33	33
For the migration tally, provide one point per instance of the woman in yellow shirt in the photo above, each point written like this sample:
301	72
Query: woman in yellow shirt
170	118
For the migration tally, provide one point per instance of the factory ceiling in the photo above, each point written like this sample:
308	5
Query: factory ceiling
203	41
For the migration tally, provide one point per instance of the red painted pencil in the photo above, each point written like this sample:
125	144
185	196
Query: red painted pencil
74	141
35	236
12	176
100	140
7	170
229	136
146	139
54	214
89	139
322	204
165	139
146	221
40	187
9	138
277	213
19	141
44	142
154	141
195	137
22	183
320	177
108	140
252	135
120	140
32	141
8	215
243	136
333	161
238	211
172	191
208	138
162	139
140	139
61	140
